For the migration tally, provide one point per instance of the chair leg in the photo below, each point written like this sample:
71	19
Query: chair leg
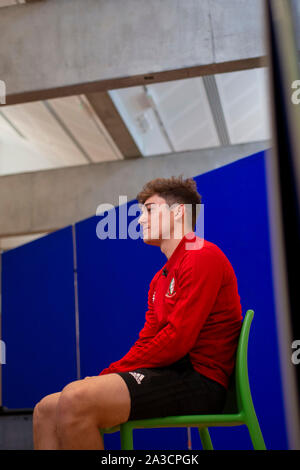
126	437
256	434
205	439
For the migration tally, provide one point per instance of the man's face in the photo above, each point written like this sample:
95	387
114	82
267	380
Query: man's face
157	220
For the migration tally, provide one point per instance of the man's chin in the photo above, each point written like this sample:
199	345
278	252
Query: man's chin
152	241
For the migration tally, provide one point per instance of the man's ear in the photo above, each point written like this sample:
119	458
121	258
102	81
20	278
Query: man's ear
179	211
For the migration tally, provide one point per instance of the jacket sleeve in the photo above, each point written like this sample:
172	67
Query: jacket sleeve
199	281
146	334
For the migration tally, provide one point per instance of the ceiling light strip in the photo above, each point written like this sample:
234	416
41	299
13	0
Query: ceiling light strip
12	124
215	104
159	120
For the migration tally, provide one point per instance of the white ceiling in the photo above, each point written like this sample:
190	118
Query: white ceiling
162	118
185	112
244	98
50	134
183	115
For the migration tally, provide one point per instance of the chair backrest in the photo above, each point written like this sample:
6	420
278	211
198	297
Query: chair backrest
243	393
239	395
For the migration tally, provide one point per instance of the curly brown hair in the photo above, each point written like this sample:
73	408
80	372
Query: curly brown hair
173	190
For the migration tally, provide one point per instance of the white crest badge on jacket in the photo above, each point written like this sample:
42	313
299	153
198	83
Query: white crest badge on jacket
171	291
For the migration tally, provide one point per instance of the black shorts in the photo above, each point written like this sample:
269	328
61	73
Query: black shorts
172	390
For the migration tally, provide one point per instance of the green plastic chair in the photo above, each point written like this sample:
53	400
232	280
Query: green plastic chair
238	409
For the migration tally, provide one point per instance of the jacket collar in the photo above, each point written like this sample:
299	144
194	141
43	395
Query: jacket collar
189	237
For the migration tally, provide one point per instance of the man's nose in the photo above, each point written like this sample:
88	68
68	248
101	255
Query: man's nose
142	219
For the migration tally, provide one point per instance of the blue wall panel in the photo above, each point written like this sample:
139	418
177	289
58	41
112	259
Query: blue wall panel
38	319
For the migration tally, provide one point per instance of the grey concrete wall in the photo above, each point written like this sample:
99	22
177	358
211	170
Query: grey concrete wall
48	200
58	43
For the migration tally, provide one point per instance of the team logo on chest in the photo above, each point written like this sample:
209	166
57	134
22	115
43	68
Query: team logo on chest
171	291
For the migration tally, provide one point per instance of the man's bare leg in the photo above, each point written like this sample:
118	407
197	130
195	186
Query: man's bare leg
71	419
87	405
44	423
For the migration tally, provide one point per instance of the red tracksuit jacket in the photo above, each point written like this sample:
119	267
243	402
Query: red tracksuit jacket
193	307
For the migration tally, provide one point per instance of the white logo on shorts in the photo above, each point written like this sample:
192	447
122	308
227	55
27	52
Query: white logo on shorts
138	377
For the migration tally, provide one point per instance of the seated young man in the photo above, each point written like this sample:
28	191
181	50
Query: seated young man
185	353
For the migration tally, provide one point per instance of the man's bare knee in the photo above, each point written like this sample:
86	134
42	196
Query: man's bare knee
102	400
45	409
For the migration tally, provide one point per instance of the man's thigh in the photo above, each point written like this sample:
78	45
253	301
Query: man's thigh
106	398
